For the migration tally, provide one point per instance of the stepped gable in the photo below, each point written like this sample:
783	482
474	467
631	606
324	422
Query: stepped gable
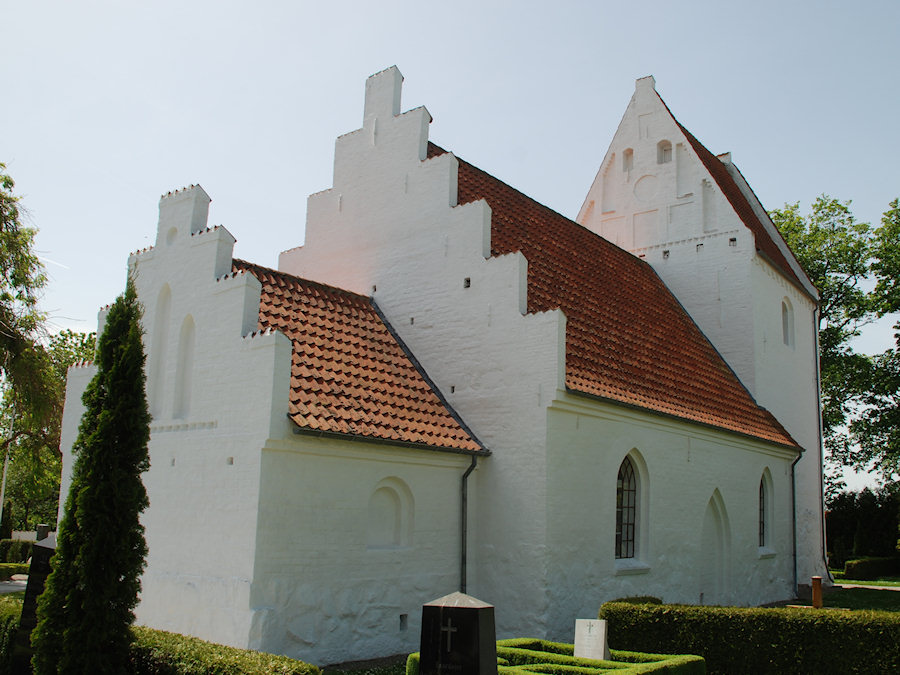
628	339
349	373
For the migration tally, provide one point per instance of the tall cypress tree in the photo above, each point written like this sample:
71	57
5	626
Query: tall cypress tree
87	606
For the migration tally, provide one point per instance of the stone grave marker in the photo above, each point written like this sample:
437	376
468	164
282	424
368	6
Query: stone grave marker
590	639
38	572
458	637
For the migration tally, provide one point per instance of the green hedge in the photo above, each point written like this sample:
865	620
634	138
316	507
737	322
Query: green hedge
10	611
755	640
156	652
8	569
15	550
872	568
522	656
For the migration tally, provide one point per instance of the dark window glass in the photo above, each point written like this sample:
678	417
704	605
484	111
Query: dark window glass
626	510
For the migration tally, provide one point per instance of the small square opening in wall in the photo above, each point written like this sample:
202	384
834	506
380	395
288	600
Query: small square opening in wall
467	282
404	622
452	388
412	320
230	461
732	241
666	253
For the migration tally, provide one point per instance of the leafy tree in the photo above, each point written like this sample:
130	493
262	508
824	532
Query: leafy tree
876	429
835	250
34	468
22	278
85	611
860	393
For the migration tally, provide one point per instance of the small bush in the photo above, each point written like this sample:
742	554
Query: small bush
754	640
640	600
8	569
10	611
15	550
871	568
157	652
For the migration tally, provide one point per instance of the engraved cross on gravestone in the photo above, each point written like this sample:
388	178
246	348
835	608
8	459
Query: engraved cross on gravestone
458	637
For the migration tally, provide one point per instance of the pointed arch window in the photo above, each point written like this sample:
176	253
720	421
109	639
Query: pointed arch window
626	510
762	512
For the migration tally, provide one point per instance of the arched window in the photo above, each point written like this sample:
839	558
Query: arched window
765	510
663	152
762	512
787	322
628	160
626	510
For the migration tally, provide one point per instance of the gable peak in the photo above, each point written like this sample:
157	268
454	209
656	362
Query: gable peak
645	83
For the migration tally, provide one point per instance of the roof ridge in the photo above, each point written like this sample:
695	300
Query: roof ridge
245	265
735	194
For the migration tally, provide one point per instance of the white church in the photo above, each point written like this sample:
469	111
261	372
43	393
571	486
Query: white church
452	386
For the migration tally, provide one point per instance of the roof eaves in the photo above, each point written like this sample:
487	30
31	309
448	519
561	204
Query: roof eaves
358	438
633	406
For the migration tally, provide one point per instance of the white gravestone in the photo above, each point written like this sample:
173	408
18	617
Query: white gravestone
590	639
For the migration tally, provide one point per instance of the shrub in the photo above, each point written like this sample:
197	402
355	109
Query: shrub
156	652
8	569
15	550
10	611
862	523
755	640
640	600
871	568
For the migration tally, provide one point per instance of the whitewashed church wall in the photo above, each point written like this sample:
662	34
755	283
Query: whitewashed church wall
390	228
679	466
331	583
788	386
668	210
218	393
77	379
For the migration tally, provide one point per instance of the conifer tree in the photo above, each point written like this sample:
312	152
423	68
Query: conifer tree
87	606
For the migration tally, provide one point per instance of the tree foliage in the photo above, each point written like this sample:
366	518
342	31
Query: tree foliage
34	457
21	280
86	609
860	392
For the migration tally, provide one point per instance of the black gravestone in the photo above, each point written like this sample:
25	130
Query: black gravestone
41	553
458	637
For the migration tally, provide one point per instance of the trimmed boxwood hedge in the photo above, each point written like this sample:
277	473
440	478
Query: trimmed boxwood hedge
755	640
522	656
157	652
866	569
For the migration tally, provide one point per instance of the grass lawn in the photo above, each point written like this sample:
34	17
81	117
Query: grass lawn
862	598
886	581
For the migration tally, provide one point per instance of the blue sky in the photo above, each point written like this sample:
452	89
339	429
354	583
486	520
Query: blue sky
108	105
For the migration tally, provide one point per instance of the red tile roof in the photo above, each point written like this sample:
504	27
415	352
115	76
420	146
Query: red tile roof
628	339
765	244
350	374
